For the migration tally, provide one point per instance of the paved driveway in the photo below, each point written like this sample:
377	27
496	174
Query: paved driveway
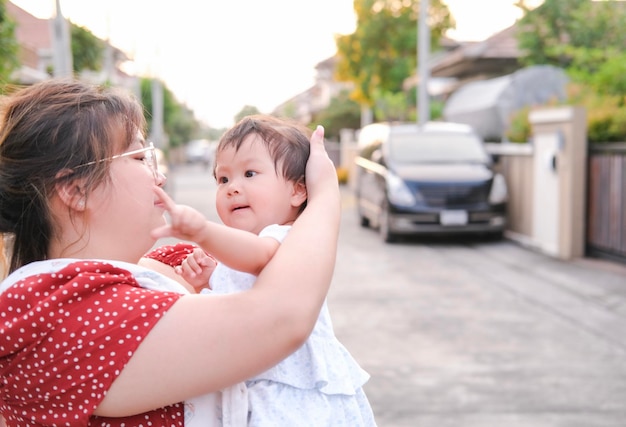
476	334
470	333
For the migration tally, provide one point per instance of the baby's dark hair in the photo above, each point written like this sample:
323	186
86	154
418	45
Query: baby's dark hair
47	130
286	140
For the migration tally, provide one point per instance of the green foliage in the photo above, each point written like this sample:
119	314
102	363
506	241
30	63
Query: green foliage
436	109
178	121
584	37
606	116
382	52
519	126
610	79
391	106
87	49
342	113
8	45
607	123
247	110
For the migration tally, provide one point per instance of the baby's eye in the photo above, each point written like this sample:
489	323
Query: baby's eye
250	174
222	180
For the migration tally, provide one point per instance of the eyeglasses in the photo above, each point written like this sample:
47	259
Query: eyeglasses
149	159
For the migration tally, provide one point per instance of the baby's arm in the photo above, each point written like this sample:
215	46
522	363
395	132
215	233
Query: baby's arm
226	244
246	252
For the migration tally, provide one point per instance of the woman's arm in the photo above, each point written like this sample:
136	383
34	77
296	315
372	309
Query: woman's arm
205	342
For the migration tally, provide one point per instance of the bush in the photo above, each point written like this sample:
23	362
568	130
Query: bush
519	127
342	175
606	117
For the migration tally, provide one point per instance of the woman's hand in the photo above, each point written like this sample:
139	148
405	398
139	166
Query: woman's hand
321	175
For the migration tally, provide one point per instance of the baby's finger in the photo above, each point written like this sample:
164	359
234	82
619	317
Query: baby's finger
161	232
165	199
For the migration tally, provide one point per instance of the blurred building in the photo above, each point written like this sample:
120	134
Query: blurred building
303	106
36	53
34	37
453	65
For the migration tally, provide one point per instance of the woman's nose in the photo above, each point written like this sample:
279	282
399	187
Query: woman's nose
161	179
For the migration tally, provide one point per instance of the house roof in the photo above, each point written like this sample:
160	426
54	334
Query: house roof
496	55
30	31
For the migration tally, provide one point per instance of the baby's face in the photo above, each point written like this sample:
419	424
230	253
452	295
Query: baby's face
250	193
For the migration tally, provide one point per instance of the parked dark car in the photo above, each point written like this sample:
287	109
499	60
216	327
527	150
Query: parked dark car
433	178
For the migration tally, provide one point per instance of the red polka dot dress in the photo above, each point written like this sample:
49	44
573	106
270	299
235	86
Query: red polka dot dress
67	329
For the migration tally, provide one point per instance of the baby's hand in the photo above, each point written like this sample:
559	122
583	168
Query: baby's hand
197	268
186	223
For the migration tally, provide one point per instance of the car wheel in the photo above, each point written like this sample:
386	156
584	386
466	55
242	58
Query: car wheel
383	225
363	220
495	236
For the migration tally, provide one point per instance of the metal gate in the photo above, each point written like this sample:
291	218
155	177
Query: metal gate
606	202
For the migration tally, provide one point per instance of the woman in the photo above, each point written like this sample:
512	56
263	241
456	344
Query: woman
83	341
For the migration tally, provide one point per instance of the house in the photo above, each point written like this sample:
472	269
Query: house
454	65
305	105
36	53
493	57
35	40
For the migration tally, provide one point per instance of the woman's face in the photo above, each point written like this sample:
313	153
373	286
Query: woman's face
123	211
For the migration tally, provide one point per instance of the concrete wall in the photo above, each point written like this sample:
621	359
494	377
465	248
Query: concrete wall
520	163
515	162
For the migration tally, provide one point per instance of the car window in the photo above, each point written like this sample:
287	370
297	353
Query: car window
437	148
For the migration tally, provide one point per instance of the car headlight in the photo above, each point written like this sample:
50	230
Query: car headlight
397	191
498	193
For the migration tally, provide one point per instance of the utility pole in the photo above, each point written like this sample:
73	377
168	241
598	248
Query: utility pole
157	133
62	53
423	53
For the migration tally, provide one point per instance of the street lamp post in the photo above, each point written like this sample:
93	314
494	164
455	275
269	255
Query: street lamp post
423	48
62	53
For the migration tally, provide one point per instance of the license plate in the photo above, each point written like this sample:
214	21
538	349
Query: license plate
456	217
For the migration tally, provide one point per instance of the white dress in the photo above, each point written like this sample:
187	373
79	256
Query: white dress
319	385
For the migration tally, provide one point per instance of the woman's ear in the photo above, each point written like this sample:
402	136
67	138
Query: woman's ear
299	195
70	192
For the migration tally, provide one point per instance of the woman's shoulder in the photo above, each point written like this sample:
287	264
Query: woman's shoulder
60	269
55	273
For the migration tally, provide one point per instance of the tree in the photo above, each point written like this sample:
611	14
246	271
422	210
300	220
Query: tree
247	110
87	49
8	45
382	52
179	122
341	113
582	36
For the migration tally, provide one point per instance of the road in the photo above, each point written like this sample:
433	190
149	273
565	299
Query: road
471	333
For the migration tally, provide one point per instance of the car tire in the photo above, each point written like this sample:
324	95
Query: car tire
363	220
383	225
495	236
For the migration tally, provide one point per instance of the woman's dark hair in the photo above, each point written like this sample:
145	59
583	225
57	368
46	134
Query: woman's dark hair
286	141
46	131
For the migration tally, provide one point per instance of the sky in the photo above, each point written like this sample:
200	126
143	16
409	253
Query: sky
219	56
